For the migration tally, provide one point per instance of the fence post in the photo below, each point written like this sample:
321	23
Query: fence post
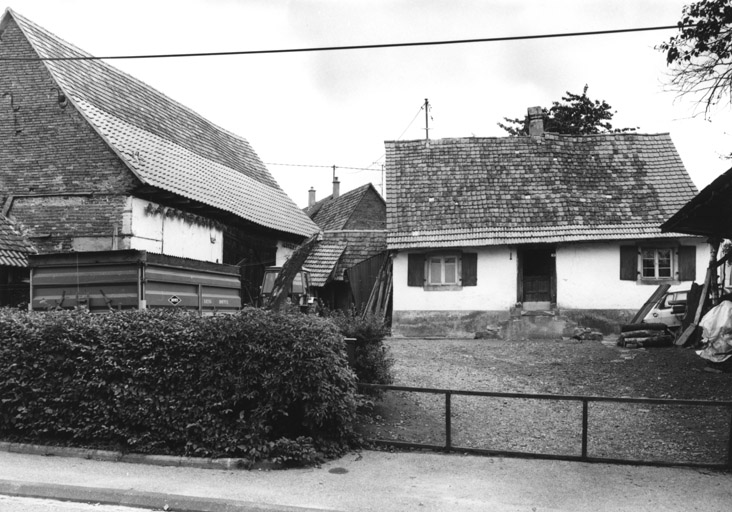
729	442
448	421
584	428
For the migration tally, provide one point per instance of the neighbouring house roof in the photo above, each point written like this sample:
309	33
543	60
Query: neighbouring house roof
546	189
322	260
165	144
709	213
330	213
352	246
14	247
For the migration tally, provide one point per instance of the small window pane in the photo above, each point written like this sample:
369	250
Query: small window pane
436	271
649	263
450	270
664	263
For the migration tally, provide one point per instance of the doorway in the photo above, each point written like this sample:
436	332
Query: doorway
537	276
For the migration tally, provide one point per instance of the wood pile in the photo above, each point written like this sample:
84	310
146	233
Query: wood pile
378	303
645	335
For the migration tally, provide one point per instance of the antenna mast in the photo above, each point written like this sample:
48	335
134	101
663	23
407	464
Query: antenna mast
427	118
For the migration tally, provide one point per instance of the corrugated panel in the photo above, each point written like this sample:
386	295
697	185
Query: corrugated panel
100	280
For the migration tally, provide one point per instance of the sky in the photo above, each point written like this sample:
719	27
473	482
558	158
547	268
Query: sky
313	110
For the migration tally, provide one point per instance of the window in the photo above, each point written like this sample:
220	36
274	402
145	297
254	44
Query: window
656	263
442	270
649	264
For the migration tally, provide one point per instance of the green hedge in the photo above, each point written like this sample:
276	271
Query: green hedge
256	384
372	363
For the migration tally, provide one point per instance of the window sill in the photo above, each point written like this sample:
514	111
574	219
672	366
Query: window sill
658	281
442	287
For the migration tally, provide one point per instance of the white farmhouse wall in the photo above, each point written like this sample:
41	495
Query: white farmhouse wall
496	289
284	251
588	277
149	229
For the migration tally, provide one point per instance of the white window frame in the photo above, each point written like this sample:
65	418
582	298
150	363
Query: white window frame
656	277
433	284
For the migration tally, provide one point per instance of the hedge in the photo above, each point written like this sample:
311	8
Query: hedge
255	384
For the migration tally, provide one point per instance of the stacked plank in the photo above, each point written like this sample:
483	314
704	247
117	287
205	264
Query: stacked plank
645	335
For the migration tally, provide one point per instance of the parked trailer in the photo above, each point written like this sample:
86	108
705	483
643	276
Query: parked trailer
131	279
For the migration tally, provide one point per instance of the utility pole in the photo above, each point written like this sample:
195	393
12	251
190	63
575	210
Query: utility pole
427	118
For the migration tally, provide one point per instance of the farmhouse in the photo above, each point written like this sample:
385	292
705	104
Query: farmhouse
92	159
539	229
345	263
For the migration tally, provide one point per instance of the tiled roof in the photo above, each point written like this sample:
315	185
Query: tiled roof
329	213
340	250
14	247
361	245
322	260
553	188
166	144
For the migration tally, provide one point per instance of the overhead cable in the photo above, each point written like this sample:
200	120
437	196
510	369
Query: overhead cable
351	47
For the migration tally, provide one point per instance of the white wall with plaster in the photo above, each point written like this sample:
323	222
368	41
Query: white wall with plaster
588	276
147	226
496	289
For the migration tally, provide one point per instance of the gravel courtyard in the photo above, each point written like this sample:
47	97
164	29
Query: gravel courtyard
562	367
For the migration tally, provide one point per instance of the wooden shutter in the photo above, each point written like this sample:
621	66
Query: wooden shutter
628	263
415	270
470	269
687	263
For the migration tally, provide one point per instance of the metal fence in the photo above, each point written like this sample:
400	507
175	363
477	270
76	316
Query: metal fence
448	394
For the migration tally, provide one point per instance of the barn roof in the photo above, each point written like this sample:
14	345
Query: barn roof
166	145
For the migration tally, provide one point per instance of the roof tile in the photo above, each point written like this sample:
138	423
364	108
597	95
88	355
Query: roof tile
134	118
486	191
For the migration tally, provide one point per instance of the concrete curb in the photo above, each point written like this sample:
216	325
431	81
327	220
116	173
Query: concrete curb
132	498
137	458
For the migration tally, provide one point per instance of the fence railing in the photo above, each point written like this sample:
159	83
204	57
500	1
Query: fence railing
584	400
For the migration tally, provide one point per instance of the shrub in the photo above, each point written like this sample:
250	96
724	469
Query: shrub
255	384
372	360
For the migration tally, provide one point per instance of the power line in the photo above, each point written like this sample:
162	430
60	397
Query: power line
324	166
351	47
401	134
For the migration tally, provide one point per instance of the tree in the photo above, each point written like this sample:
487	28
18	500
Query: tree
575	115
701	53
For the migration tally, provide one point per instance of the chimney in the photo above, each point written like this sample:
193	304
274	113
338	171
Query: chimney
336	188
536	122
311	196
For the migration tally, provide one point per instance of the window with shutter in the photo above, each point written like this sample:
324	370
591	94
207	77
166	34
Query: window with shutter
628	263
687	263
415	270
442	271
470	269
657	264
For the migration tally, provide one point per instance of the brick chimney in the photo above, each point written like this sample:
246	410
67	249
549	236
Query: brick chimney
311	196
536	122
336	188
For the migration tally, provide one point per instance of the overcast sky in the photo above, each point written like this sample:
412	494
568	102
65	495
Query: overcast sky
326	108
